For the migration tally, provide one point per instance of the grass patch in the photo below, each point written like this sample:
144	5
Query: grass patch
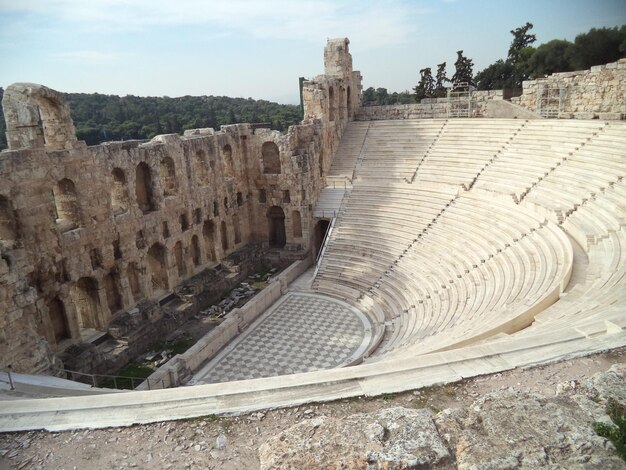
616	433
131	374
177	346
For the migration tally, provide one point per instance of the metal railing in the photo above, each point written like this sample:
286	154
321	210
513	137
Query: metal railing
105	380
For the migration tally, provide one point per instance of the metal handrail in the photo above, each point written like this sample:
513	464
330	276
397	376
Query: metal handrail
115	378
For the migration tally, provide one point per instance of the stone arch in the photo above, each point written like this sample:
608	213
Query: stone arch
237	229
119	192
168	176
86	299
143	187
8	224
271	158
224	235
58	319
195	250
114	299
208	233
200	166
227	152
157	262
180	261
331	104
132	274
276	223
37	116
66	204
296	224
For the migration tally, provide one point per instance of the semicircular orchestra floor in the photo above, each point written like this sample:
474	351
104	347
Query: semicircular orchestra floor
301	332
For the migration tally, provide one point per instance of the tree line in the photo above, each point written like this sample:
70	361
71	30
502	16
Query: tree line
523	62
99	118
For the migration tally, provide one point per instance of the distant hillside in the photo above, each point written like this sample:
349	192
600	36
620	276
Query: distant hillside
99	118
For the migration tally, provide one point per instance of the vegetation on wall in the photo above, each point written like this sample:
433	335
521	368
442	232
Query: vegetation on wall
99	118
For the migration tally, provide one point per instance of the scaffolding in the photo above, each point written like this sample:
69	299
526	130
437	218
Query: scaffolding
550	99
459	104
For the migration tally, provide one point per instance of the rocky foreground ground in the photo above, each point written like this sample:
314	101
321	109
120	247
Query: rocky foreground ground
537	418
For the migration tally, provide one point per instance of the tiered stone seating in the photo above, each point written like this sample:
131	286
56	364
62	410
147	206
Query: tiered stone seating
473	243
348	151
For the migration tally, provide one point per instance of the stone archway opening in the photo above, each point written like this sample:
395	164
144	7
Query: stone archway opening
86	299
168	176
224	235
208	233
276	223
58	319
8	225
271	158
143	187
119	192
157	257
321	228
66	205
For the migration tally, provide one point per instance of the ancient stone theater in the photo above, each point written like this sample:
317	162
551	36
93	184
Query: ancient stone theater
409	245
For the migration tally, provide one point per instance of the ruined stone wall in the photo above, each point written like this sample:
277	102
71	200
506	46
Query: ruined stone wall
599	92
428	108
87	232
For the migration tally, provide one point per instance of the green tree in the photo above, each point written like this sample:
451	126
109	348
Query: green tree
501	74
440	80
599	46
521	40
552	57
426	85
463	70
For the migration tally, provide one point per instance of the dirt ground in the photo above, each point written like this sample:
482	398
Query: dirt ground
214	442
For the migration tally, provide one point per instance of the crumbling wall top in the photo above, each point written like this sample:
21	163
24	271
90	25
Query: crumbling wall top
337	58
37	116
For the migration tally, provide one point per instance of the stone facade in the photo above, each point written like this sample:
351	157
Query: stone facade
88	232
599	92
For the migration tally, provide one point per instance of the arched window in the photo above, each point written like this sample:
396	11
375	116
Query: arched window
66	204
143	187
271	158
200	166
331	104
296	224
119	192
168	176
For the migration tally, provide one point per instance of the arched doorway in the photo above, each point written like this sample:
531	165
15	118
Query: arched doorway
208	233
66	204
168	176
157	256
331	104
86	300
321	228
195	250
180	262
114	299
276	223
132	273
58	319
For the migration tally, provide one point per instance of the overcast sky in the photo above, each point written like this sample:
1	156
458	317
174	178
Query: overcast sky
259	49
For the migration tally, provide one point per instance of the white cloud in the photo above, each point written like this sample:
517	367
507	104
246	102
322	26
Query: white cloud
370	23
